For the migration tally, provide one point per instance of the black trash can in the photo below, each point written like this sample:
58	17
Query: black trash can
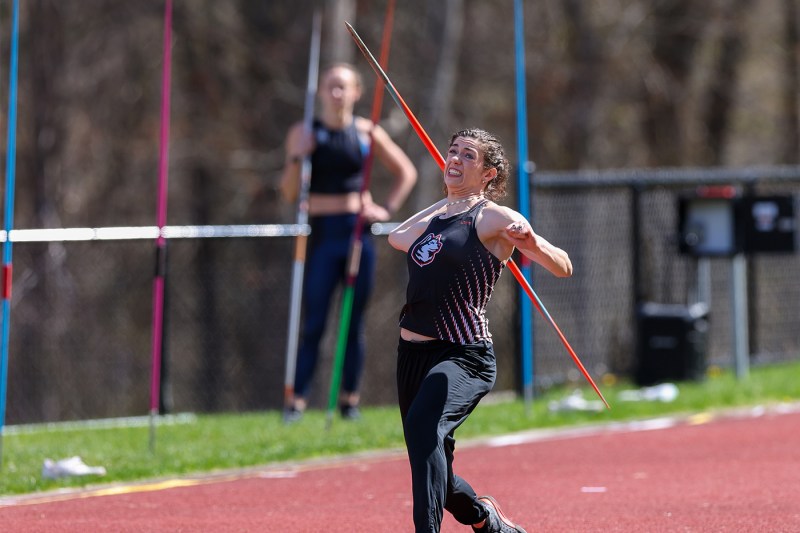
672	342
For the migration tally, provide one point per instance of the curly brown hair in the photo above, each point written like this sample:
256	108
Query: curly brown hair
493	157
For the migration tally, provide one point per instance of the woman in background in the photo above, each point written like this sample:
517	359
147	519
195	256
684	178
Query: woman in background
338	145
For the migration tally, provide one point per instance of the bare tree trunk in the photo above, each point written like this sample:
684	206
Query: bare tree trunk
338	43
791	129
722	88
211	376
584	52
205	102
718	107
438	110
676	31
45	51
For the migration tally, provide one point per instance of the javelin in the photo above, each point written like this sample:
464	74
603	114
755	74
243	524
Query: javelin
354	260
440	161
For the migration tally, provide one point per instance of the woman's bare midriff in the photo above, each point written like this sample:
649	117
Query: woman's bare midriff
334	204
408	335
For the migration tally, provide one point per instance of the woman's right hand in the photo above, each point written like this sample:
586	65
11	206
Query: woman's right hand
300	145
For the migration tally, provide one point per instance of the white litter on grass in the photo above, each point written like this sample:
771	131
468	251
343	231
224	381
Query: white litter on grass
665	392
575	402
73	466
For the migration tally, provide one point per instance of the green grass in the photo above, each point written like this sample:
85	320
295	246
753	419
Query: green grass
209	443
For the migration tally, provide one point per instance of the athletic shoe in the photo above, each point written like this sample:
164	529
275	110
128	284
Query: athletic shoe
292	414
349	412
496	522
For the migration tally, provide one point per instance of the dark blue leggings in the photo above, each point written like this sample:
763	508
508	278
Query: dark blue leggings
325	270
439	384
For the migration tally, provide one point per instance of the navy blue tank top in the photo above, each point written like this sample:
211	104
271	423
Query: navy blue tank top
337	160
451	276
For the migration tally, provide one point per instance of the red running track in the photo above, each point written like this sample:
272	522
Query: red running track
734	473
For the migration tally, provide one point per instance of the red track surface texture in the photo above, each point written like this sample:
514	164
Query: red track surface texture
737	474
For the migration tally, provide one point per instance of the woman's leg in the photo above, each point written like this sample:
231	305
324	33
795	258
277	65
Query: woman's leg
433	404
324	269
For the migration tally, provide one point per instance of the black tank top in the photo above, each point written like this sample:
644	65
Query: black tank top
451	276
337	160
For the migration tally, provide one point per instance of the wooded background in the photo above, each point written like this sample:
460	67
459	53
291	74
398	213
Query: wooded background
610	84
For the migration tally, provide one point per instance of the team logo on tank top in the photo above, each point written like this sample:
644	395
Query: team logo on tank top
425	250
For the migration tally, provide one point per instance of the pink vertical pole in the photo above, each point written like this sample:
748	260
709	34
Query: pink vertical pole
161	242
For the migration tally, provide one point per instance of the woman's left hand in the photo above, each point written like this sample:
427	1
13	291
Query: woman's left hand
518	232
375	213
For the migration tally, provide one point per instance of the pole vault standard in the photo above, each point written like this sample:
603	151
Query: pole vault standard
161	221
440	161
11	160
354	259
524	202
299	264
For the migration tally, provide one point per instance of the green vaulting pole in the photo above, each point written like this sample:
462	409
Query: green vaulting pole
354	259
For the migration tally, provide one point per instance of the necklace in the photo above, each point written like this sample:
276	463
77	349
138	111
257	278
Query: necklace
463	200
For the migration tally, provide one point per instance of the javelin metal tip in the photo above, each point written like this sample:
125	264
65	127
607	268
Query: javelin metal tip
353	33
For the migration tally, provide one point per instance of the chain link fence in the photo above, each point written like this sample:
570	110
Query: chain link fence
621	230
81	327
81	316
